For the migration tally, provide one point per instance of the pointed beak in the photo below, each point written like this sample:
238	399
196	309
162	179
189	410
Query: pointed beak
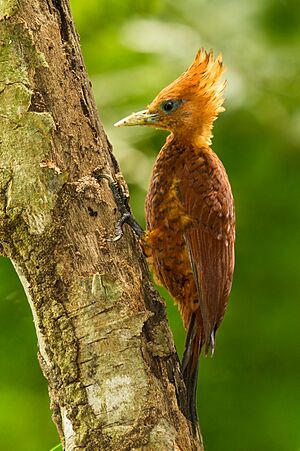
140	118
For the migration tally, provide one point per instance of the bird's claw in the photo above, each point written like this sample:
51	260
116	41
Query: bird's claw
119	228
121	199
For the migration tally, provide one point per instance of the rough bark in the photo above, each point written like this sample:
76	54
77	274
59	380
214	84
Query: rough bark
104	343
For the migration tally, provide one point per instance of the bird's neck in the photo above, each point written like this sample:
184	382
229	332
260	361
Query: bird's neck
182	140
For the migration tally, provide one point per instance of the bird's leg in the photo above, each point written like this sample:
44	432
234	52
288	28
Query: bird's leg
121	199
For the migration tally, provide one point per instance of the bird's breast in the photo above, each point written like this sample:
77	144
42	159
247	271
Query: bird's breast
164	209
166	221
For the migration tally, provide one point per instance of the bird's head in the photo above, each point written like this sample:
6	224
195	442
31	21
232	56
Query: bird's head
189	105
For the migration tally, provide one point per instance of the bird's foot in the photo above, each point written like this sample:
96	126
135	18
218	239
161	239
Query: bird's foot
121	198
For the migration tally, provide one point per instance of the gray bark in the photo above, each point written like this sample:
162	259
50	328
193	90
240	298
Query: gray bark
104	343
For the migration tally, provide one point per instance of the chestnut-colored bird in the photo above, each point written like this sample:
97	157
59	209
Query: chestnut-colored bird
190	217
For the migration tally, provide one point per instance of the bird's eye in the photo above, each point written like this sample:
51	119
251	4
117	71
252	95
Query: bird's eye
168	106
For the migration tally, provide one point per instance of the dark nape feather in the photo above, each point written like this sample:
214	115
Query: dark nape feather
190	367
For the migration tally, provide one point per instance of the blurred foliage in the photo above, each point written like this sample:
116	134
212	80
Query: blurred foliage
249	392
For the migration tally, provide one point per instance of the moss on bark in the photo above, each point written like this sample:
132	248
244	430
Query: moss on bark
30	187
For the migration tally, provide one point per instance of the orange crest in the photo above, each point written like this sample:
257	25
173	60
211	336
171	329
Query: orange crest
201	80
200	84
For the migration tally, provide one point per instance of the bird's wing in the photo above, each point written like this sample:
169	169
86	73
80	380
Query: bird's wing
205	193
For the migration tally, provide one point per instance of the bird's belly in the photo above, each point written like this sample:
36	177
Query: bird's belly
167	254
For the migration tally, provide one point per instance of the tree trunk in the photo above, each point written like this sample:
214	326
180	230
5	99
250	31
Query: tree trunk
104	343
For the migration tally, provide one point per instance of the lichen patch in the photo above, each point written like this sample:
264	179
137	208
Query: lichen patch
25	136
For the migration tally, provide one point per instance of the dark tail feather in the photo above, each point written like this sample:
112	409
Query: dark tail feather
190	367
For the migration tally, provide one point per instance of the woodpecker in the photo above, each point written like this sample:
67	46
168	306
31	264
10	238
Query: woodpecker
190	235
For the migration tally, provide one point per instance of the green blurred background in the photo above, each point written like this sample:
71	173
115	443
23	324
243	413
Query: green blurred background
249	395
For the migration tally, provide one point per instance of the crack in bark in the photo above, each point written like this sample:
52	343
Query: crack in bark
84	107
64	27
49	7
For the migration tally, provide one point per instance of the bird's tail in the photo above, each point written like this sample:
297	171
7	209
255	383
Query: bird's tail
190	367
